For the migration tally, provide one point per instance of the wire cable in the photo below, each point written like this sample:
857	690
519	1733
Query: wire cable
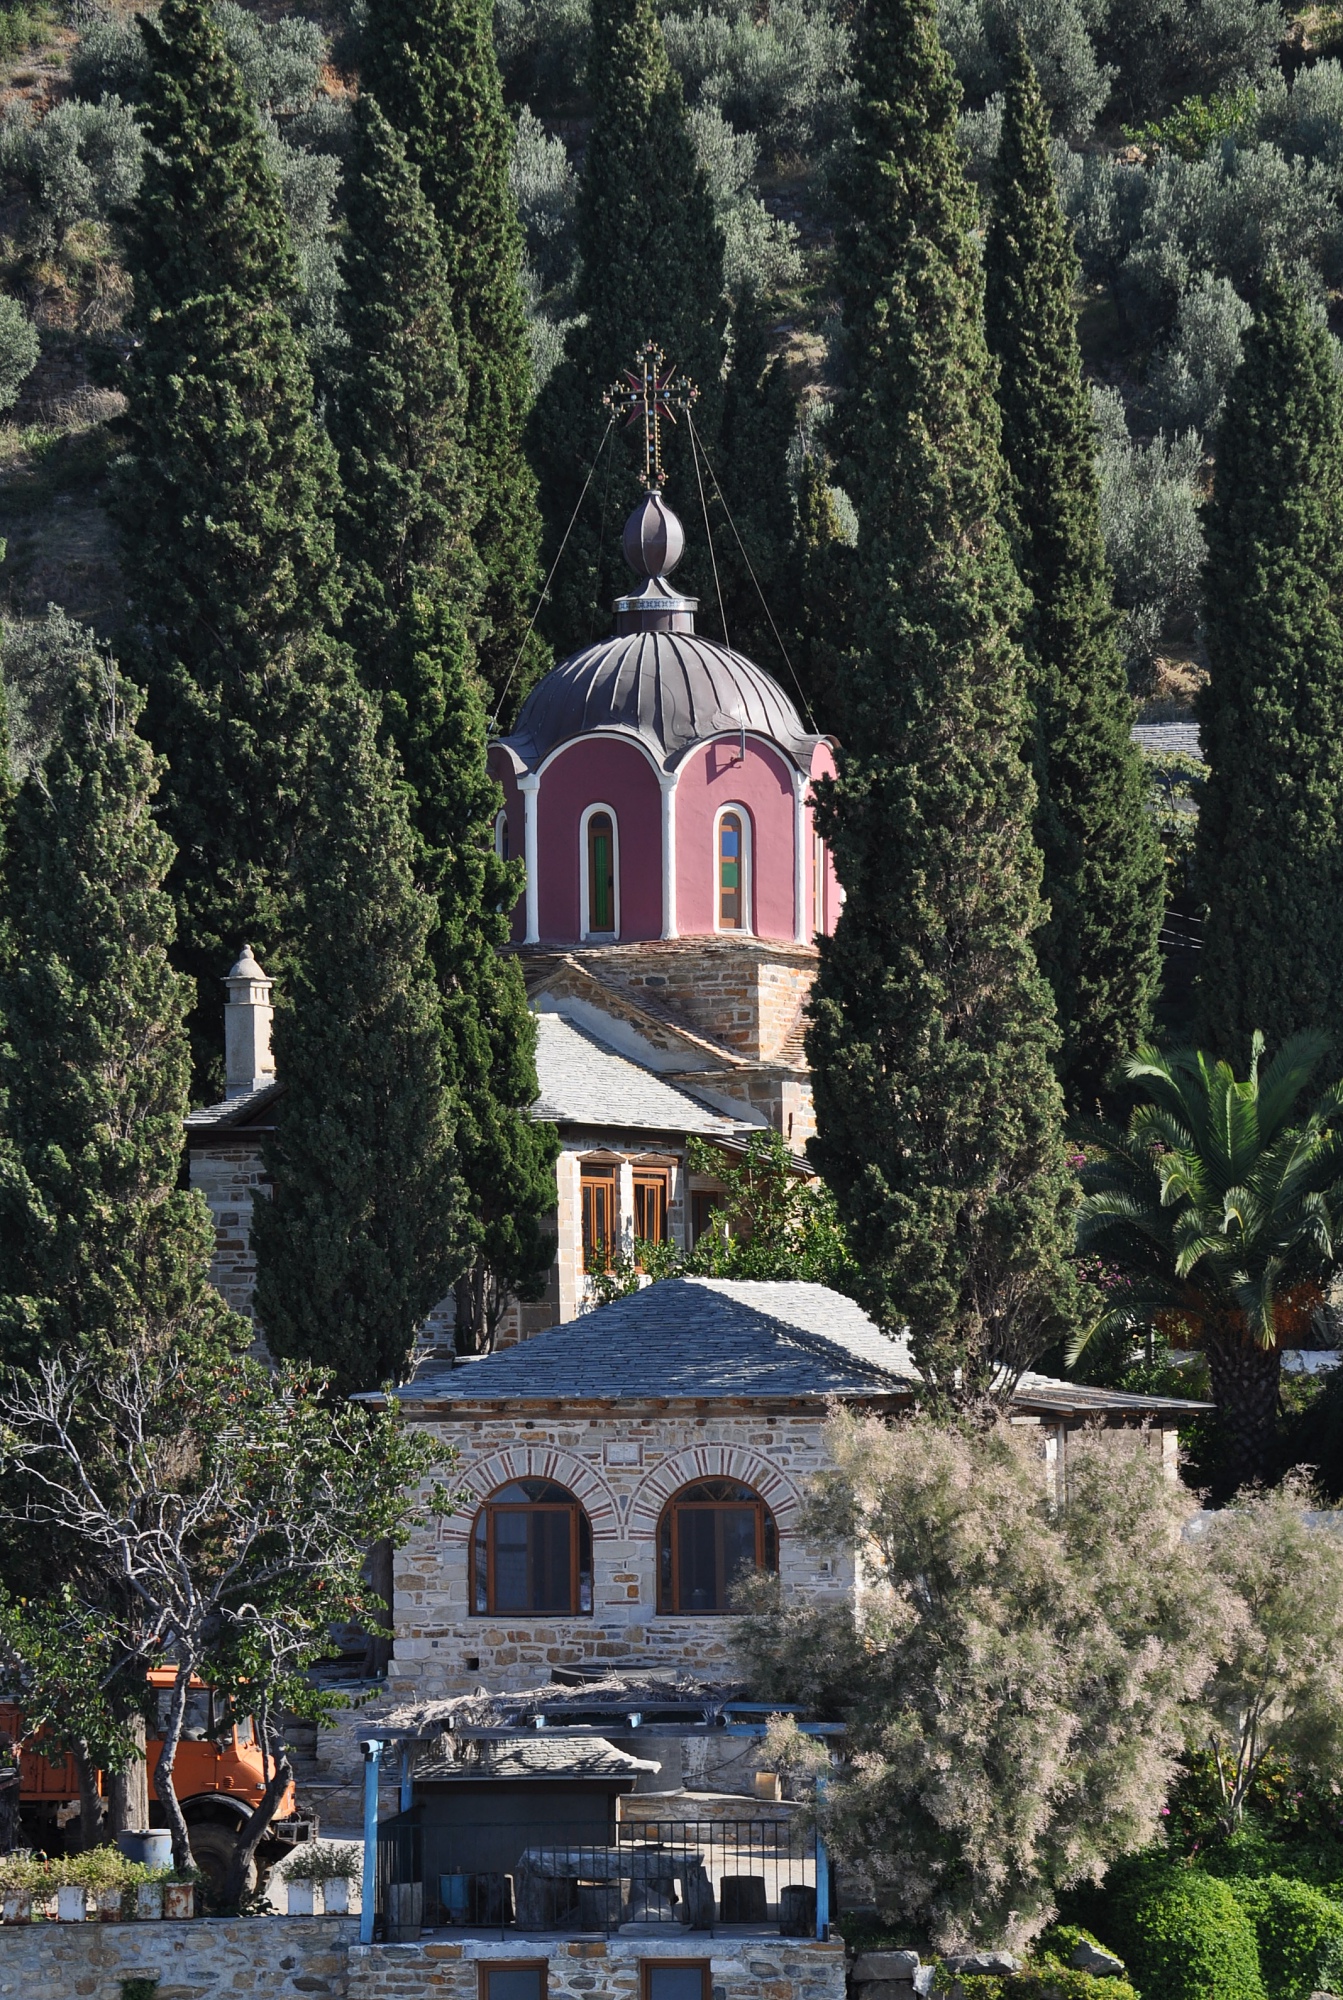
708	531
536	613
754	578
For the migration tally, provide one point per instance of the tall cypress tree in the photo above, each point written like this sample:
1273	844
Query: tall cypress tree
226	506
751	462
99	1246
400	420
939	1117
651	268
363	1232
1103	869
432	67
1270	833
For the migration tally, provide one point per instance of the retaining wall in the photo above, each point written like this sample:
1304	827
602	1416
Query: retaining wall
271	1958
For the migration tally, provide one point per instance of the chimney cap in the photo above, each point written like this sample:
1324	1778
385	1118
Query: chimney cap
246	967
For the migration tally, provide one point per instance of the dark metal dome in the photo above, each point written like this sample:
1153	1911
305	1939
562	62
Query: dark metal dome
673	689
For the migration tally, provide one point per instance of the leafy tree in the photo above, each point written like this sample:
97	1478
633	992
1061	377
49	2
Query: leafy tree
38	657
967	1808
651	268
1102	863
1218	1206
225	507
931	1037
236	1504
1190	381
19	350
1270	842
400	419
434	72
1150	519
363	1232
99	1246
1277	1690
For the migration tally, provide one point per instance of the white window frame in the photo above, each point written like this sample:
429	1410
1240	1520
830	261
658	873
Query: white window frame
747	926
585	930
500	831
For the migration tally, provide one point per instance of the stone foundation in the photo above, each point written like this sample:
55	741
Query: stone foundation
740	1968
271	1958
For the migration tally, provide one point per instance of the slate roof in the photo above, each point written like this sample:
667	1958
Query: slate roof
672	689
240	1110
532	1757
583	1083
689	1338
692	1339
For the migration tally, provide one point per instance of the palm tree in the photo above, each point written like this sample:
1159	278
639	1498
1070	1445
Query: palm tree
1221	1212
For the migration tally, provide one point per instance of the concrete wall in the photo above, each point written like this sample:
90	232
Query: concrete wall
740	1968
271	1958
622	1467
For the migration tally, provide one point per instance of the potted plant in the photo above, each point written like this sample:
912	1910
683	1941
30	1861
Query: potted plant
72	1900
149	1894
179	1892
20	1874
329	1865
106	1874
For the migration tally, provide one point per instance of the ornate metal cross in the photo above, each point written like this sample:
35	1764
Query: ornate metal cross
655	392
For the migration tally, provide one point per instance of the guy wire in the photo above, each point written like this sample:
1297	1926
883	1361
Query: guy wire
708	531
531	622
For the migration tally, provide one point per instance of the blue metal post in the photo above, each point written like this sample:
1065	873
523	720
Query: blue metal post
407	1797
372	1759
822	1874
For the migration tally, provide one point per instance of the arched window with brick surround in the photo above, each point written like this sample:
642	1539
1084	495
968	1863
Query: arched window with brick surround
531	1553
711	1534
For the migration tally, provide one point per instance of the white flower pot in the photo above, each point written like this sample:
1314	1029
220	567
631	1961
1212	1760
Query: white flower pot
16	1906
71	1903
336	1896
107	1905
149	1900
302	1896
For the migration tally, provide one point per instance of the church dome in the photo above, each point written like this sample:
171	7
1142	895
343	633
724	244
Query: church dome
671	689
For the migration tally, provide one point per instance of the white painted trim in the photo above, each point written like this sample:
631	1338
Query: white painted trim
799	858
583	887
747	928
667	780
529	786
605	735
500	832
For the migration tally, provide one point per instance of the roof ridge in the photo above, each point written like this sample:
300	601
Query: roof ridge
653	1009
806	1337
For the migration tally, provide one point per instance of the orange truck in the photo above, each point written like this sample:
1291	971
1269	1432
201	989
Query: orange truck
218	1776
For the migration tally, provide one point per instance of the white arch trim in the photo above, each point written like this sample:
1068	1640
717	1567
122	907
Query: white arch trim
713	1461
533	1461
589	813
596	736
747	864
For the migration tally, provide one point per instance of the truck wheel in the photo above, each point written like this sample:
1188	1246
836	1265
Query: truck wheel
212	1850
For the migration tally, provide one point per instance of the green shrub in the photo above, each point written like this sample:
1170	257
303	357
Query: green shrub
1183	1936
1300	1934
1050	1979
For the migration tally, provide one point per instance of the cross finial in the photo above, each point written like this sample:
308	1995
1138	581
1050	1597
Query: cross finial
654	392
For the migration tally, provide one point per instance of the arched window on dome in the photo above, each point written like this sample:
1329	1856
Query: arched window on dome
817	884
501	834
711	1535
599	844
531	1552
732	869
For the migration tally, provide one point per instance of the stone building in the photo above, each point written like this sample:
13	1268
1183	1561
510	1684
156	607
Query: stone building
659	786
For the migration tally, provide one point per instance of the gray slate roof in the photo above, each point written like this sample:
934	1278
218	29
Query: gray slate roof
530	1757
1167	737
583	1083
673	689
688	1339
240	1110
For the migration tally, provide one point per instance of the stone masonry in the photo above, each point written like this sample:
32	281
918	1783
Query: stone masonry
216	1958
740	1968
622	1466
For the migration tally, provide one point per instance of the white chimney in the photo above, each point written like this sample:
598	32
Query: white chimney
248	1062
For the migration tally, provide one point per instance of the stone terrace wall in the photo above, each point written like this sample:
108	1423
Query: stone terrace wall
741	1968
214	1958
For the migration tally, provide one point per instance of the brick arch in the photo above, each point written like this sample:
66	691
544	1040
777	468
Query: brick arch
534	1461
713	1461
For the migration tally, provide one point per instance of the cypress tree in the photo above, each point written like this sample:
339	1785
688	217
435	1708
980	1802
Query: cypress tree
1103	869
651	268
226	506
939	1118
404	529
99	1246
825	567
432	67
751	461
363	1232
1270	834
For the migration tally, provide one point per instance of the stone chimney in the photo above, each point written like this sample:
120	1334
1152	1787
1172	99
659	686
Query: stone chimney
248	1062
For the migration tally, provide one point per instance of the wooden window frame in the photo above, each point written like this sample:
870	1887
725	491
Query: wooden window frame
672	1510
600	1174
485	1966
487	1511
658	1180
742	928
598	810
647	1966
